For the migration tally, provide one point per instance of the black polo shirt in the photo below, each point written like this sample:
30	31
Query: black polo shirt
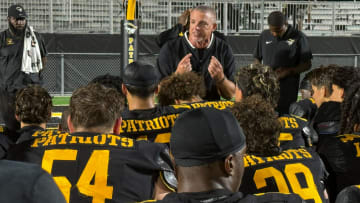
11	52
289	50
173	51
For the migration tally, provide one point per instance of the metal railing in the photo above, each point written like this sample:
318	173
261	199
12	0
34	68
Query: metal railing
67	71
233	16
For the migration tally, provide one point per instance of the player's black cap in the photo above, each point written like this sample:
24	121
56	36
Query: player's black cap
205	135
140	75
17	11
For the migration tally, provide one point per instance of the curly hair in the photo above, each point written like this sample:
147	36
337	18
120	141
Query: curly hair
33	105
181	87
350	109
260	124
258	79
95	105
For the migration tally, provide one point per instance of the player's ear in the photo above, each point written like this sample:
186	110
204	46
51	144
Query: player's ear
229	165
123	89
70	124
157	89
17	118
214	27
117	126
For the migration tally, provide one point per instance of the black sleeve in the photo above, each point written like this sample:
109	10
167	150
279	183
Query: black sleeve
45	190
229	66
165	63
258	49
304	48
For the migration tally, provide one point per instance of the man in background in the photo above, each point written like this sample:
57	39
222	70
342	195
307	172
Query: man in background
287	51
22	58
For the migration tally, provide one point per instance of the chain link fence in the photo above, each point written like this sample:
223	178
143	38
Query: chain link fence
66	72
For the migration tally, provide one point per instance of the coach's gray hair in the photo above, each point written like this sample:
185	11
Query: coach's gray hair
206	9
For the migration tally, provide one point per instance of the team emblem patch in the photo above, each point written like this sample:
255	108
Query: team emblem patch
290	41
19	9
9	41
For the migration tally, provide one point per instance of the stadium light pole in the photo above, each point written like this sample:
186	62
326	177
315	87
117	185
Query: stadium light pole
130	33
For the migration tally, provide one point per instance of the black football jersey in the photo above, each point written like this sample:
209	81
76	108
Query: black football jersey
295	132
155	124
341	155
91	167
224	196
298	171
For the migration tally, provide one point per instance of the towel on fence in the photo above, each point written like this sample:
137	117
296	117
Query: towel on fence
31	60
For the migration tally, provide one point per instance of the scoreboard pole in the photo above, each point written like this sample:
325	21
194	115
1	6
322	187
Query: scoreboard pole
129	33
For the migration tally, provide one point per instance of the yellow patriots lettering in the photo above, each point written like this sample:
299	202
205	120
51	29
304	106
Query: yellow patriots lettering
258	159
103	139
150	125
113	138
38	141
131	126
305	153
157	124
127	142
140	124
51	139
348	137
293	123
63	138
172	118
164	122
250	161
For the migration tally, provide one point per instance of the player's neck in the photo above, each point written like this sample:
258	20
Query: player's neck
199	181
42	125
136	103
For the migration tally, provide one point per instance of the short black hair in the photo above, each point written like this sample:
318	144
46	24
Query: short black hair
276	18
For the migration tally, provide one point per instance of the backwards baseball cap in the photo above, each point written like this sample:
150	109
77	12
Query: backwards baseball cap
205	135
140	75
16	11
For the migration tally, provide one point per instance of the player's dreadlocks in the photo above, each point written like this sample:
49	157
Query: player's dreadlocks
259	79
350	109
260	124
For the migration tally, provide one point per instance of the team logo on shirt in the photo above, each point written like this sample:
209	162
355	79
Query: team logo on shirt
9	41
290	41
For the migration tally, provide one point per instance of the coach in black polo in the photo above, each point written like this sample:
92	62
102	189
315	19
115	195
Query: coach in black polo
287	51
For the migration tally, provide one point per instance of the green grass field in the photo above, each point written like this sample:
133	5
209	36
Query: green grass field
64	100
61	101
